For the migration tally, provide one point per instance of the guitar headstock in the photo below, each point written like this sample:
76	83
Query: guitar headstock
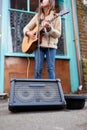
63	12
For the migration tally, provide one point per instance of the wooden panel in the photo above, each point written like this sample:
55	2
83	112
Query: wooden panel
63	73
24	68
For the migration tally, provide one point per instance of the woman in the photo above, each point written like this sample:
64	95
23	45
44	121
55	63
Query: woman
50	34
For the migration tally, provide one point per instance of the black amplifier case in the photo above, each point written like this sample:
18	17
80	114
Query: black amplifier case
36	94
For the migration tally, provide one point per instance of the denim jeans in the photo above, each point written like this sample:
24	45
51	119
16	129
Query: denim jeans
39	60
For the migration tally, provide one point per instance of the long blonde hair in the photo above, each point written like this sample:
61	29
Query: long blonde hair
51	6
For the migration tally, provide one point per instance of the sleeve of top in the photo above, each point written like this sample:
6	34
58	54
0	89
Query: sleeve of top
55	30
30	25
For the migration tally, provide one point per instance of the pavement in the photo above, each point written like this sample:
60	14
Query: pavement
64	119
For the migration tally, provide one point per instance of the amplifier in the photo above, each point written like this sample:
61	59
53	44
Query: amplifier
36	94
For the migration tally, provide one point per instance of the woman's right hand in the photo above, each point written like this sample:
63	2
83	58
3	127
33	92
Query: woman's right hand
30	34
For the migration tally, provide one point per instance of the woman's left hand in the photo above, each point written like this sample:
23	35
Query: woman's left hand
46	24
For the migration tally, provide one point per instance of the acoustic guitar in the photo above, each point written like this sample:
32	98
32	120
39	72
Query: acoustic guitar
28	44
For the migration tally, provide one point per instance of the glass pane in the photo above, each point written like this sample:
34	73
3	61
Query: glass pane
19	4
61	50
34	5
18	20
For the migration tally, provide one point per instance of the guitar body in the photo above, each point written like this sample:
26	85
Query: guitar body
29	45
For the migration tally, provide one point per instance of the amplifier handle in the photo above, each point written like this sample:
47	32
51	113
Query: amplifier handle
37	85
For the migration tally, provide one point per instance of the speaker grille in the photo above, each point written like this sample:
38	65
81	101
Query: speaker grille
36	92
28	94
24	94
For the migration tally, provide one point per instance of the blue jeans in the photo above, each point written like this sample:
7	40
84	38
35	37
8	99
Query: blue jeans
39	60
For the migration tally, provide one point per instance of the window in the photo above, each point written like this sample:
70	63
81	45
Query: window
17	4
30	5
21	16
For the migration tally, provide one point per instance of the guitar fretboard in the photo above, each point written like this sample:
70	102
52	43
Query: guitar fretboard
61	13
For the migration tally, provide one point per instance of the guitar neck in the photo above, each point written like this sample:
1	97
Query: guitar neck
54	18
61	13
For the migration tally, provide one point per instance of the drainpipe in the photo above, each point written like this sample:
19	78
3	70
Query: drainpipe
77	46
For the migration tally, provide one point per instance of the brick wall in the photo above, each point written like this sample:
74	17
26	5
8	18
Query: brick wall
82	23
